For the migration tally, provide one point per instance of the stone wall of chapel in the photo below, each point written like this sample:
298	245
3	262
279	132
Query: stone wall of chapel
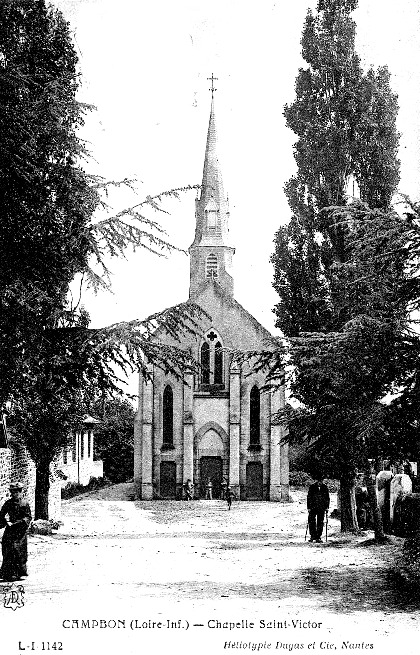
245	454
211	409
198	272
237	329
138	441
205	409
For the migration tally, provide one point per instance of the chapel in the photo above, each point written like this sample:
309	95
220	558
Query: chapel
218	427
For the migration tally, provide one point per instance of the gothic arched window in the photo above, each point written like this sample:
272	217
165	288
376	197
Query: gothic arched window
168	416
254	416
218	363
205	363
212	266
212	362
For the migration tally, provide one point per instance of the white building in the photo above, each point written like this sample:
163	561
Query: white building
77	460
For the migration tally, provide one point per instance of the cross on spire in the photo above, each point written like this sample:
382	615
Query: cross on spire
212	79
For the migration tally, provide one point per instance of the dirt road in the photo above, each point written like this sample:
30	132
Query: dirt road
192	577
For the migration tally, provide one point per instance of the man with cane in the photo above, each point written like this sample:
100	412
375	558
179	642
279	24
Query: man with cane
318	502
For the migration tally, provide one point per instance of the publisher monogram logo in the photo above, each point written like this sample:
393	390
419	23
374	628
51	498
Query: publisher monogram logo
13	596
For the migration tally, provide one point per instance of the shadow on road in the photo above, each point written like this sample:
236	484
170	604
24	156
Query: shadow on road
349	589
343	591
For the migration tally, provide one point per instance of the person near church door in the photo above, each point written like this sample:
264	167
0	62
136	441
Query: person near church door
15	516
189	490
318	502
229	496
209	490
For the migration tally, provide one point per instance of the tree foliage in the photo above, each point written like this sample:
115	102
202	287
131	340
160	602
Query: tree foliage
55	223
45	198
386	266
74	365
344	120
344	312
114	439
340	378
53	227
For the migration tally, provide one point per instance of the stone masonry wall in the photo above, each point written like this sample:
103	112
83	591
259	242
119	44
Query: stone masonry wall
23	470
5	464
16	465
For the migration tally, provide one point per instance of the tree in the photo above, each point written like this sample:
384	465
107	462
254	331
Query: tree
74	365
341	377
386	249
345	123
45	198
114	439
50	360
49	205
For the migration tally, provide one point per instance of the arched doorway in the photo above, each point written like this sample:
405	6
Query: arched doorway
211	457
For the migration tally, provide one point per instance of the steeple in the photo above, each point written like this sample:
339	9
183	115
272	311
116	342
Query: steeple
210	252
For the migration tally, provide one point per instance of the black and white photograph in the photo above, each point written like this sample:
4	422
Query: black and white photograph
209	326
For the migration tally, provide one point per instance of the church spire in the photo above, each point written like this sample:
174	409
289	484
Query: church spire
212	184
210	254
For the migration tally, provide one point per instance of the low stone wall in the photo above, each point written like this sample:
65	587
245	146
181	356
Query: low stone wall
17	465
5	468
22	469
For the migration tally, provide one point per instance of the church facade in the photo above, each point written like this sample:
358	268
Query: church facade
218	427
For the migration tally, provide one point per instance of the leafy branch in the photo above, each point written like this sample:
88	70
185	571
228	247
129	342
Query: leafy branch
130	227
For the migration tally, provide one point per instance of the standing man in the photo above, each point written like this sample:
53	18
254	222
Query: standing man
15	515
318	502
229	496
209	490
189	489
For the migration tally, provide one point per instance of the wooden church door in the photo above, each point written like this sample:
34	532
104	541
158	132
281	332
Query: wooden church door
211	468
254	481
168	479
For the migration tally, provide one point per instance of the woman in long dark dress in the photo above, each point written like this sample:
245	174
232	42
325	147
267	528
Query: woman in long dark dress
15	516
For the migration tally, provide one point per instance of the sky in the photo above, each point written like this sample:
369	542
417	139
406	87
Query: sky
145	66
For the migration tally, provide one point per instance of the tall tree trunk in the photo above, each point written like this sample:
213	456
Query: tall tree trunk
348	504
42	488
373	501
